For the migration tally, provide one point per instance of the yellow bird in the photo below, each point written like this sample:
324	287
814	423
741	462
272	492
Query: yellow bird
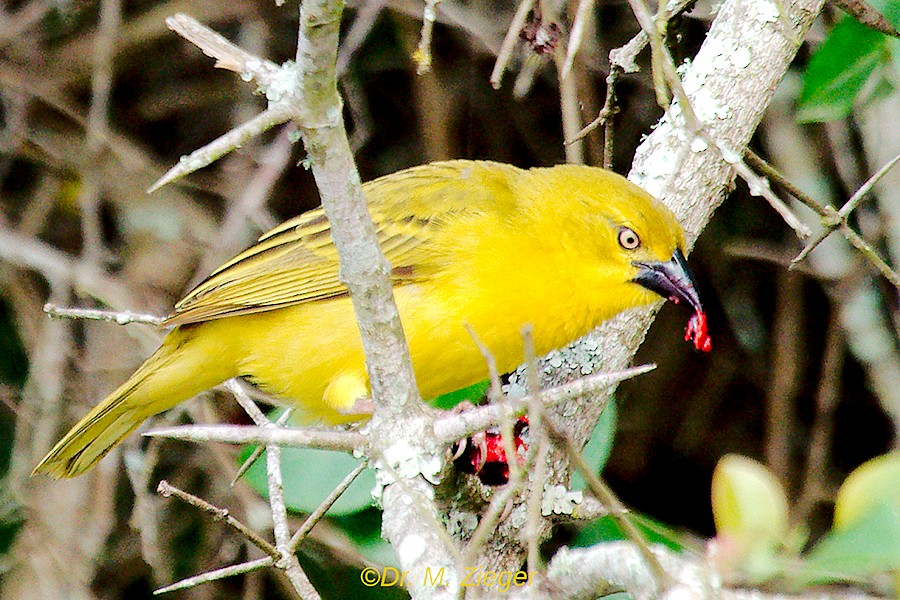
471	243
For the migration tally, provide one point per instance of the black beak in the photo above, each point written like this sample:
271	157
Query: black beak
671	280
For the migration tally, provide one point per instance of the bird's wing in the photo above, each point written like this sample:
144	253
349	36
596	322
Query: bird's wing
297	262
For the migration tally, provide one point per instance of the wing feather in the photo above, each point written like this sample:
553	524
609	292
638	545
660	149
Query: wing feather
297	262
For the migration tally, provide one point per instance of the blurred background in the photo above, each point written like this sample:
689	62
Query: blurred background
98	100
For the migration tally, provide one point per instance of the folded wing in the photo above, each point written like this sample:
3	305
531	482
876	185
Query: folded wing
297	262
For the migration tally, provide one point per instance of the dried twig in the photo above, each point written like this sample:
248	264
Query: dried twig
605	118
422	55
367	14
274	554
509	41
582	14
495	396
832	219
165	489
287	560
666	75
570	109
866	14
227	55
94	252
325	439
815	478
838	220
540	446
191	582
454	427
323	507
275	115
110	316
758	164
785	375
258	451
615	507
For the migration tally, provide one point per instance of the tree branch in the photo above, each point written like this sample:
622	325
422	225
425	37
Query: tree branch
691	183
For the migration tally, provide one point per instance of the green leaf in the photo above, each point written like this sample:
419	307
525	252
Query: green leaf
598	448
474	393
874	482
364	528
749	504
606	529
839	70
310	475
870	545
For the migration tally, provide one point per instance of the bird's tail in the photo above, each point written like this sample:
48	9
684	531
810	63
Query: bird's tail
179	369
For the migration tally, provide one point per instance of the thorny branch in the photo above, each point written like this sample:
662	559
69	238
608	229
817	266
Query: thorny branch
695	124
666	78
267	434
832	219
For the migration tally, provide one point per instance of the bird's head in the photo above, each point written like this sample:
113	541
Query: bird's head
633	243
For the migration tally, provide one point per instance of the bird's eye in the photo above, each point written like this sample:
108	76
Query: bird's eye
628	239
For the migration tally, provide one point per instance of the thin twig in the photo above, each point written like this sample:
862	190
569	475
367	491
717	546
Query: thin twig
277	114
497	510
367	14
450	428
323	507
570	109
227	55
871	255
827	398
258	451
325	439
215	575
97	130
770	172
422	55
489	519
609	124
287	560
604	117
582	15
830	218
509	41
616	509
785	375
838	220
759	187
495	390
495	396
540	445
273	553
60	269
165	489
110	316
866	14
625	56
528	70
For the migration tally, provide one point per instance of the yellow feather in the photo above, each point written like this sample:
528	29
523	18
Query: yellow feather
471	243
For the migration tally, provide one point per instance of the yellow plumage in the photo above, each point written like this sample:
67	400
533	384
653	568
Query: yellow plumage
477	243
